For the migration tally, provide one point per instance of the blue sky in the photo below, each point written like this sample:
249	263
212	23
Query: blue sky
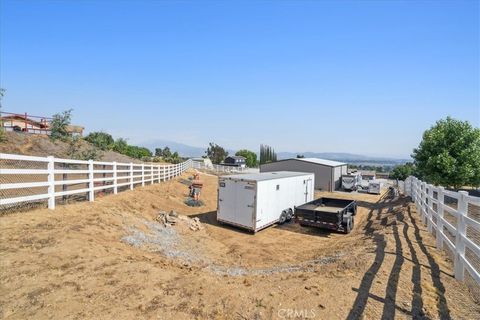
364	77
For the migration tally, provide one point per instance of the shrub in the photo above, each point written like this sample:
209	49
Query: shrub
101	140
59	125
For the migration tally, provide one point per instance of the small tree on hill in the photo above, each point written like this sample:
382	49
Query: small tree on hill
216	153
449	154
101	140
59	125
250	157
120	145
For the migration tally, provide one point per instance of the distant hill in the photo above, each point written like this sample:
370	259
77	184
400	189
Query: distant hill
344	157
191	151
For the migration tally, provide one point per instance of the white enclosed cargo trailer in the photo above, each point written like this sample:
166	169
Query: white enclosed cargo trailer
256	201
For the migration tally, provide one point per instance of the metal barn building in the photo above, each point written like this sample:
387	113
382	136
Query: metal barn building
328	173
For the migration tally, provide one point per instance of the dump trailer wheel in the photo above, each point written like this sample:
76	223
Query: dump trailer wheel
283	217
348	225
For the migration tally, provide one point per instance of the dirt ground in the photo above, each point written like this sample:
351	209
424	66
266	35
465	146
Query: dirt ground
112	259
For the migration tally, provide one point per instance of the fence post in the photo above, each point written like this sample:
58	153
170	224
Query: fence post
430	208
424	202
158	174
91	192
131	176
462	208
152	181
115	188
51	182
143	175
440	199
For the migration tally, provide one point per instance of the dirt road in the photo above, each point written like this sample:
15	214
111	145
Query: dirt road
111	259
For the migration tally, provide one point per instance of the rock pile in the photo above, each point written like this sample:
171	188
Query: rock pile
172	219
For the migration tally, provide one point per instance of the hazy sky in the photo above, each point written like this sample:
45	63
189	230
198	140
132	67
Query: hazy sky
343	76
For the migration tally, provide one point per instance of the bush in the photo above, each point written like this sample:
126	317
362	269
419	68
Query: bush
101	140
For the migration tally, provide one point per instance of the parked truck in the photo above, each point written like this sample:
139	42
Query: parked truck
256	201
328	213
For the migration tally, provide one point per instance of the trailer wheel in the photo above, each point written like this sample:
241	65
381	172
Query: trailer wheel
289	214
283	217
348	225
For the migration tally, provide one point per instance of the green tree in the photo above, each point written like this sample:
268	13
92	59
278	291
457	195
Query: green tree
449	154
101	140
2	129
250	157
267	154
166	153
120	145
59	125
216	153
401	172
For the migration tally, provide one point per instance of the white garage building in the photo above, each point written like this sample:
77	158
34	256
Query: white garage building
328	173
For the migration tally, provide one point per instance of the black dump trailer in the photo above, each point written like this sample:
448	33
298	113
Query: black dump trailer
327	213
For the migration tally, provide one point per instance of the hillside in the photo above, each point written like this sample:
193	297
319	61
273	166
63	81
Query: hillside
42	146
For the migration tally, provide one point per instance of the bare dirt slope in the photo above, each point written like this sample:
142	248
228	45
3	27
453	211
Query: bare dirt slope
42	146
112	259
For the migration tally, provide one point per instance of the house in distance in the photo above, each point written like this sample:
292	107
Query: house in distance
235	161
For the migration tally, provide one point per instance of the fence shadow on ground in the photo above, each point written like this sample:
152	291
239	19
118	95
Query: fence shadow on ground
395	208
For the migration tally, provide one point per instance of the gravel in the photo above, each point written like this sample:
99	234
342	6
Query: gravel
167	241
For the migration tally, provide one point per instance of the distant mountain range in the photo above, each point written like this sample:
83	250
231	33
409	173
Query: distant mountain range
191	151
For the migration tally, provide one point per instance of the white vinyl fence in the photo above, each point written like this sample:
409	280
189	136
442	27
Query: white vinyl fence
454	218
26	179
217	167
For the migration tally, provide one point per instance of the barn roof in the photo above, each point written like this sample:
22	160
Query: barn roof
323	162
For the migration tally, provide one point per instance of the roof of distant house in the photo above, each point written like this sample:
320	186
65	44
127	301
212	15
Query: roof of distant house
236	157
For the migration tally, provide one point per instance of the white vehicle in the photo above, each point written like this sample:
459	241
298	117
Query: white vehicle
258	200
374	187
352	181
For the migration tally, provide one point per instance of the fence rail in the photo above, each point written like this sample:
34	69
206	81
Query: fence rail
454	218
25	179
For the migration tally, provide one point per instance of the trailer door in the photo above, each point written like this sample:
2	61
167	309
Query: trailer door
245	206
227	194
308	190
